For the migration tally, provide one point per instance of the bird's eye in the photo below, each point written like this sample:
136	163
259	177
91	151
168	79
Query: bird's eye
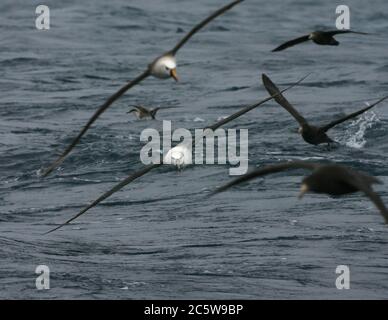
167	68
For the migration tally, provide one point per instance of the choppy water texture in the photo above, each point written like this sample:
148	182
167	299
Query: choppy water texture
160	237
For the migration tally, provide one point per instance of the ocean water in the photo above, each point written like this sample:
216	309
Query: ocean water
160	237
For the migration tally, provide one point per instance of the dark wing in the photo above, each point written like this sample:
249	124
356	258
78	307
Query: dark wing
202	24
153	112
100	110
250	107
291	43
117	187
334	32
273	90
373	196
267	170
350	116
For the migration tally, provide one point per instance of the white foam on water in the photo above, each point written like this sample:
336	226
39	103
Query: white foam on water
354	136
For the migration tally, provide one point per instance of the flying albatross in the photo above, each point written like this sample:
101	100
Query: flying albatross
318	37
162	67
331	179
311	134
179	161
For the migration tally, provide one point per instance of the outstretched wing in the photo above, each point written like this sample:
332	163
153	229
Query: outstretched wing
95	116
117	187
291	43
373	196
202	24
250	107
279	98
350	116
334	32
267	170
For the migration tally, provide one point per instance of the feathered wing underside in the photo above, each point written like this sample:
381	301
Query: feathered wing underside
268	170
350	116
280	99
202	24
291	43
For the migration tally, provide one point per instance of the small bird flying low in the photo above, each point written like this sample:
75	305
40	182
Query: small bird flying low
318	37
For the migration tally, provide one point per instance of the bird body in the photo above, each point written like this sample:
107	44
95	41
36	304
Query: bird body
331	179
142	112
323	38
311	134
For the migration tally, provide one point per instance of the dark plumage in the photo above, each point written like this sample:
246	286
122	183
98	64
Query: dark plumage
142	112
311	134
318	37
331	179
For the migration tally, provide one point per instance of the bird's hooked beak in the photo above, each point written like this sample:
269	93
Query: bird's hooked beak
303	189
174	74
132	110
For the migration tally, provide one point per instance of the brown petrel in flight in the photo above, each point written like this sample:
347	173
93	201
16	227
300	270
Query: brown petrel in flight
318	37
331	179
162	67
311	134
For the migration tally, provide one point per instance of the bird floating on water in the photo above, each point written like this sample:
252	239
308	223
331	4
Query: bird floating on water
331	179
318	37
163	67
311	134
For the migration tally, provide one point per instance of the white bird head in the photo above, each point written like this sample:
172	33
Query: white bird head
164	67
178	156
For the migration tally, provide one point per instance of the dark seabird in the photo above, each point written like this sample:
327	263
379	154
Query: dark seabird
162	67
331	179
312	134
142	112
318	37
150	167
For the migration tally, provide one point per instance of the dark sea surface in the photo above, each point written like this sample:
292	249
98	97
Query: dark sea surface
160	237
